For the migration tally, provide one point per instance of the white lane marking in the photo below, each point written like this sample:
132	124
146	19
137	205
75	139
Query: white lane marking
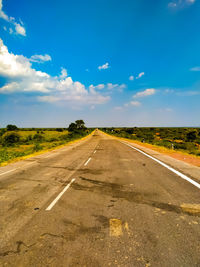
183	176
60	195
87	162
95	151
17	168
8	171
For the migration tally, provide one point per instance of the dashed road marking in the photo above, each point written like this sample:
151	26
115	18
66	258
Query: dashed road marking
87	162
60	195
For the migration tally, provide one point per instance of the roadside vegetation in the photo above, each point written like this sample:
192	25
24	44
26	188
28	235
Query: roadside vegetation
181	139
19	142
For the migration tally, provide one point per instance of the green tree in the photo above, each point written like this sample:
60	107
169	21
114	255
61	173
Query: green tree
80	124
11	127
77	126
72	127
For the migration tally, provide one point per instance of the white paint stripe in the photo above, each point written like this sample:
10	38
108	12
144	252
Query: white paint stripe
8	171
95	151
59	196
183	176
87	162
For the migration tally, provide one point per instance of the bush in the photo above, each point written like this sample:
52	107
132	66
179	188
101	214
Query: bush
59	129
38	137
10	138
37	147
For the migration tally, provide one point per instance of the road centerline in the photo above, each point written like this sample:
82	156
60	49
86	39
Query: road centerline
87	162
60	195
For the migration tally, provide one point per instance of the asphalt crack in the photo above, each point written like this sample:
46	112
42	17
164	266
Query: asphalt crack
18	250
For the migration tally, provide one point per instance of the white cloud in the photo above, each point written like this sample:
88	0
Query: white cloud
10	30
147	92
135	103
108	86
19	27
63	73
22	77
195	68
40	58
172	5
131	78
119	87
104	66
177	4
140	75
98	87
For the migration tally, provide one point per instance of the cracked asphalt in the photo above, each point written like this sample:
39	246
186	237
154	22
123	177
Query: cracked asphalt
123	209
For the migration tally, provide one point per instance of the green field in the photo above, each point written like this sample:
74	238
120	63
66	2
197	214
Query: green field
181	139
23	142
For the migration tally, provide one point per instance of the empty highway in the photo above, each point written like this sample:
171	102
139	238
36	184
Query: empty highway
98	202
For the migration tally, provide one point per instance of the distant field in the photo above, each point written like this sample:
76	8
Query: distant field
181	139
23	142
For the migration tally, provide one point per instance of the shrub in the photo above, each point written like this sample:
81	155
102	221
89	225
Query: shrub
37	147
59	129
10	138
38	137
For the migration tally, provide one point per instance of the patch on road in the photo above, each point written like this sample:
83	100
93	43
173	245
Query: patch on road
115	227
191	208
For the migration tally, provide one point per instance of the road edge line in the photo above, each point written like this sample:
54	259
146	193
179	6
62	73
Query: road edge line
183	176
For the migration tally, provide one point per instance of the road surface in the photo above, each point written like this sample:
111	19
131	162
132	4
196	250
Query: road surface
97	203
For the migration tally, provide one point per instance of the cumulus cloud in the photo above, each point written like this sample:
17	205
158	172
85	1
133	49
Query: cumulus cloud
104	66
195	68
131	78
18	26
22	77
147	92
140	75
40	58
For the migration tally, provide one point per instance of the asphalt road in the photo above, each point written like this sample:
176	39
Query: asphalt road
97	203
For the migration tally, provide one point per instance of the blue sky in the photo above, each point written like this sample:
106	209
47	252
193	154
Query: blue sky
108	62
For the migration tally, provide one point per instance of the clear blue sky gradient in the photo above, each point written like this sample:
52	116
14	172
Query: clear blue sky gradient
137	36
